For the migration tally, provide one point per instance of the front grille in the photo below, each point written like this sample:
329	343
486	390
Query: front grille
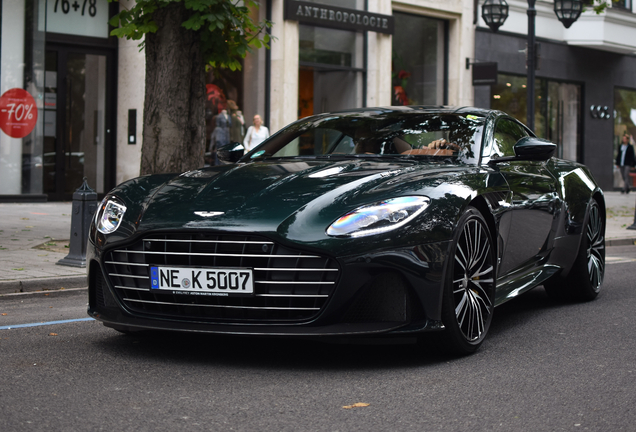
289	285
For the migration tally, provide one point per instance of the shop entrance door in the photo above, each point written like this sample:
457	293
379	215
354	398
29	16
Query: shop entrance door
323	90
563	118
77	129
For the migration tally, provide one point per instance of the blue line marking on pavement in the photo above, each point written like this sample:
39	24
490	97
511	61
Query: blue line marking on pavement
14	326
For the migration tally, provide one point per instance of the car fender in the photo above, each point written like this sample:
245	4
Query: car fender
135	194
578	189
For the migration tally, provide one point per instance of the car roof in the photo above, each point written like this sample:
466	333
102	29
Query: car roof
420	109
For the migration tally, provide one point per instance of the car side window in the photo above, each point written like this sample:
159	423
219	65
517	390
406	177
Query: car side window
345	146
507	133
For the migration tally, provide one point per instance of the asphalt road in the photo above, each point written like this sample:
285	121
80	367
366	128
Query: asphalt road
545	367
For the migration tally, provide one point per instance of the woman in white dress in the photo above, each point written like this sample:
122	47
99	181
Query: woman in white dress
256	134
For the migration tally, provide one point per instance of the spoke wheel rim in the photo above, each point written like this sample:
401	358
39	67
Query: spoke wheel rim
473	281
595	248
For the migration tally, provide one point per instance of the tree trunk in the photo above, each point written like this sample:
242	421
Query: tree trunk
174	105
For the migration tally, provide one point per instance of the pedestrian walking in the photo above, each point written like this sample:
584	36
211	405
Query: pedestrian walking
237	124
220	134
625	161
256	134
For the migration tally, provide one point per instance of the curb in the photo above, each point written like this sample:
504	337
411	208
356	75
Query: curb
620	242
42	284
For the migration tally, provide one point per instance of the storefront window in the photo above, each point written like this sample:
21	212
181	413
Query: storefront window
622	4
57	133
224	117
331	70
328	46
32	181
74	122
557	110
624	124
418	67
233	98
22	69
331	75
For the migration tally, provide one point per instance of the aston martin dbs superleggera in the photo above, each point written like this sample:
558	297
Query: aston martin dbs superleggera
378	221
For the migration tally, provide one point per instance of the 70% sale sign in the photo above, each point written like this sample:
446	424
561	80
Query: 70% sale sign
18	113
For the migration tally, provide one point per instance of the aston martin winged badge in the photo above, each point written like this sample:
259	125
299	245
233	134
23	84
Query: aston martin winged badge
208	213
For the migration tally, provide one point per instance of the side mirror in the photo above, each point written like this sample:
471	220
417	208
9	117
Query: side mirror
230	153
529	149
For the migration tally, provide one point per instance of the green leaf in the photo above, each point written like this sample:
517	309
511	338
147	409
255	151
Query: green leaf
118	32
194	23
226	29
148	28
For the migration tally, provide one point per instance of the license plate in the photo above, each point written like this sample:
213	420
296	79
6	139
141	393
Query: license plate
215	281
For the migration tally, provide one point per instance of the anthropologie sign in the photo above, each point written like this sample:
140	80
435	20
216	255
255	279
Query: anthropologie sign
18	113
337	17
76	17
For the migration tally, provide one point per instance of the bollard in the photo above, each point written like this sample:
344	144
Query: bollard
633	226
84	206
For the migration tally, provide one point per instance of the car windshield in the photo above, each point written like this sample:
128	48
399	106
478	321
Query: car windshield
455	136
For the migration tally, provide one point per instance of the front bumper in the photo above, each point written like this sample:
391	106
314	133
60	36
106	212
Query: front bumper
388	292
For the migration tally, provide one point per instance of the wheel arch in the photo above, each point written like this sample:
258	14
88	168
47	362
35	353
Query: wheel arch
596	196
582	277
600	200
573	236
481	205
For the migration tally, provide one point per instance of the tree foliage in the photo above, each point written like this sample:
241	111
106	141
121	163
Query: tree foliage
225	29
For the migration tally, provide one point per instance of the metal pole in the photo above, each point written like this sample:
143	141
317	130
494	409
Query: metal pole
633	226
532	13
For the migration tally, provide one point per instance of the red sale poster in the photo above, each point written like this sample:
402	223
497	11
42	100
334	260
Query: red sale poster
18	113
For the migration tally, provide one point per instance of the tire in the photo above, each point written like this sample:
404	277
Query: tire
469	289
585	278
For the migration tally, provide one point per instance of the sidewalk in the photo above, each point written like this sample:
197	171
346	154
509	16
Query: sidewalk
34	237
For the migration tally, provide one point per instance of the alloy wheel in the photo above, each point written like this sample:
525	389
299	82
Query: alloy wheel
473	280
595	248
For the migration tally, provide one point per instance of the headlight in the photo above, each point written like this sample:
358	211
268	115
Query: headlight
109	215
379	217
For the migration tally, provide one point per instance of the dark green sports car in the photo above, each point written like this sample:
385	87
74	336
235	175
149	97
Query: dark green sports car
378	221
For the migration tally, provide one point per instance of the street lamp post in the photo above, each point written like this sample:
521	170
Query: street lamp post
495	13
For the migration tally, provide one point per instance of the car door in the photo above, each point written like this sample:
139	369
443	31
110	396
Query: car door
534	199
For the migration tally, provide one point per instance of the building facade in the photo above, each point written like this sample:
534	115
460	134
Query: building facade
58	83
585	86
80	91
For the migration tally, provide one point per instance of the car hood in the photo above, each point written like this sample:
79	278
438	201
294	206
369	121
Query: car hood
295	198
